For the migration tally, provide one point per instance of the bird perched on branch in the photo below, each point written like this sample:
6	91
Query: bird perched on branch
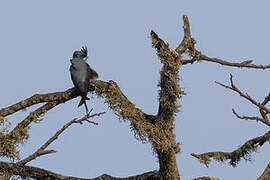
81	74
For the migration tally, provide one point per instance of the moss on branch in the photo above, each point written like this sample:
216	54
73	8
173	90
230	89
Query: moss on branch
236	155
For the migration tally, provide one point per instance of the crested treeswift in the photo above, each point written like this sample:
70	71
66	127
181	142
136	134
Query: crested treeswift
81	74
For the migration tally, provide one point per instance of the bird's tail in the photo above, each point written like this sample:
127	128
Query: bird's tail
83	101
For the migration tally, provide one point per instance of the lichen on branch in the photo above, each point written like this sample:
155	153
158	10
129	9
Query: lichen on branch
163	138
141	123
236	155
169	93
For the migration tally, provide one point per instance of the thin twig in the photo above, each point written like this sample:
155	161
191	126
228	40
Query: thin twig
188	43
251	118
266	99
247	64
41	151
262	112
246	96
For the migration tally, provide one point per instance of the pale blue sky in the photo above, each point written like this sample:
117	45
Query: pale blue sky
38	39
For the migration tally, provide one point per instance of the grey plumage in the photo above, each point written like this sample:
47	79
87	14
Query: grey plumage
81	74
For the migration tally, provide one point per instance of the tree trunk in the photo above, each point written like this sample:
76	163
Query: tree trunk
168	166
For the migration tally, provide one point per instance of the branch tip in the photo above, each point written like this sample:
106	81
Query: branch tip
186	26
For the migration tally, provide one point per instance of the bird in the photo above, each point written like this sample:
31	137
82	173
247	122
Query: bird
81	74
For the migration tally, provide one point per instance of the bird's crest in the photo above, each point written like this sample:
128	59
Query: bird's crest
81	54
84	51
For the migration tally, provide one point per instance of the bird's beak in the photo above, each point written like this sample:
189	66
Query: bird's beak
85	58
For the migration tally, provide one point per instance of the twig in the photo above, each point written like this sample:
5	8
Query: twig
247	64
188	43
41	151
246	96
266	99
262	112
265	121
261	106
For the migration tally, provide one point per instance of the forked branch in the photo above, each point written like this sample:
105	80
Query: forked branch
263	120
188	46
246	96
41	151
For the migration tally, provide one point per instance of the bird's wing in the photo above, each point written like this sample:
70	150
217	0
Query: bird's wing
92	74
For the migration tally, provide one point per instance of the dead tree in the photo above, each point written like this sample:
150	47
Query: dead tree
156	129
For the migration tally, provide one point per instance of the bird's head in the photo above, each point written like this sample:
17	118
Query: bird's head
81	54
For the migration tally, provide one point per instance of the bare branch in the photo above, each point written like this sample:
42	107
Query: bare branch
41	151
186	27
38	173
245	64
236	155
262	112
188	42
251	118
189	61
246	96
261	106
266	99
35	155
